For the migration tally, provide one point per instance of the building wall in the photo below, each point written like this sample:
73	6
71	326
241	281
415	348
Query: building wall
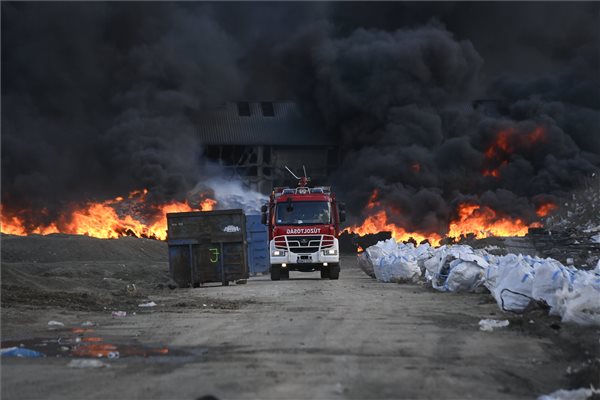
262	167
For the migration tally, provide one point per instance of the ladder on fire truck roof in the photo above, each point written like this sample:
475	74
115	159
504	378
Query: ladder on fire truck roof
302	186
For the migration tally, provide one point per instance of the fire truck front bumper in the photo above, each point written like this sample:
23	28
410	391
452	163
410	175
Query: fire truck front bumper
329	255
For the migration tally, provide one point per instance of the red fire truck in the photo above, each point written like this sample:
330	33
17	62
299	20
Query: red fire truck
304	225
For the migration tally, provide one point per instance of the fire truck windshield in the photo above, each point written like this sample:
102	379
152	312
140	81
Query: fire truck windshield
303	213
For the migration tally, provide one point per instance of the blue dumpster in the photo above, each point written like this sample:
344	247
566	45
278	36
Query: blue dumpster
258	245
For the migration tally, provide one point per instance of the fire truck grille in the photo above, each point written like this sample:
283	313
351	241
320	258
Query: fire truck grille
303	250
304	244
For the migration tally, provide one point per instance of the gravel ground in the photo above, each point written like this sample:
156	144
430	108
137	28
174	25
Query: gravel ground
303	338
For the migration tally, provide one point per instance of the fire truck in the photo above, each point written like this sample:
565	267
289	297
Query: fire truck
304	225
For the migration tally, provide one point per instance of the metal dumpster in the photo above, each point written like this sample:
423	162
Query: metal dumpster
258	245
207	246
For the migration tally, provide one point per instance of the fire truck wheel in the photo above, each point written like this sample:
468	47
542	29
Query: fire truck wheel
285	274
325	272
334	273
275	272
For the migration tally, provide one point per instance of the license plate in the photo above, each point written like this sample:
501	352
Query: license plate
304	260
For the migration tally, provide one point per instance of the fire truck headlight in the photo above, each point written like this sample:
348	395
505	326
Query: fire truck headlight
278	253
330	252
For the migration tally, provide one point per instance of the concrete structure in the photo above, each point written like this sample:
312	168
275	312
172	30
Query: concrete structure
254	141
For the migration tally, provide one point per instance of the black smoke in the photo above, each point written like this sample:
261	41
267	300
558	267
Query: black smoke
98	99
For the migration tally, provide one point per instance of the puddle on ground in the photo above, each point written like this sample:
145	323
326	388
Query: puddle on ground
84	343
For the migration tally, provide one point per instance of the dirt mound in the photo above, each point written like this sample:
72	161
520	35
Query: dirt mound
79	272
61	247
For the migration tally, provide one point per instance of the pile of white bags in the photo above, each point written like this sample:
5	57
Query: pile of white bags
455	268
579	301
515	281
510	281
394	262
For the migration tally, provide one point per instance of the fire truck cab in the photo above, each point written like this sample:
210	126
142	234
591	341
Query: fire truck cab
304	226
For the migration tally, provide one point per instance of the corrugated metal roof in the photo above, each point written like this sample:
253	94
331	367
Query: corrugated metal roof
223	126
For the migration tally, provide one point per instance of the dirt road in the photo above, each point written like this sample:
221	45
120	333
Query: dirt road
303	338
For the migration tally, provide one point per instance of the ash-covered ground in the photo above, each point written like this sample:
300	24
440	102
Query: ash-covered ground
79	273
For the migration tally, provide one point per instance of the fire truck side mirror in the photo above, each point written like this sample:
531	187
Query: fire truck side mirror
263	209
342	206
342	215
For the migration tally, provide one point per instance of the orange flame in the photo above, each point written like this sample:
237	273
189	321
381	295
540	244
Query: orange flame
379	223
498	153
481	221
545	209
372	203
484	222
102	220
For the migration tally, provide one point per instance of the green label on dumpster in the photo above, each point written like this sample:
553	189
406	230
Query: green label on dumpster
214	255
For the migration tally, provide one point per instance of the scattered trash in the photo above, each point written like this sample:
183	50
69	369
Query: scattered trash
88	323
81	330
150	304
131	288
79	347
55	323
20	352
91	339
87	363
488	325
575	394
119	313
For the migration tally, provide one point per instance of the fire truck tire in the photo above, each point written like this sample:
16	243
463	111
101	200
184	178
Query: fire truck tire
285	273
275	272
325	272
334	272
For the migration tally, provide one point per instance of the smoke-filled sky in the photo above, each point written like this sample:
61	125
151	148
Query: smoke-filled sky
97	98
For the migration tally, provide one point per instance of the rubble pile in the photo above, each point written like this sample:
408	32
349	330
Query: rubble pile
517	282
572	233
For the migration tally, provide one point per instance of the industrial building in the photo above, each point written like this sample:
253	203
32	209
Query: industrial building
253	141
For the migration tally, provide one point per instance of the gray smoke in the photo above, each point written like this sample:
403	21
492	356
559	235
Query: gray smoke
98	100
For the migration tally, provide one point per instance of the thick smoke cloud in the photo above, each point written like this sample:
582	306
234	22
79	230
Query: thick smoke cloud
97	99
